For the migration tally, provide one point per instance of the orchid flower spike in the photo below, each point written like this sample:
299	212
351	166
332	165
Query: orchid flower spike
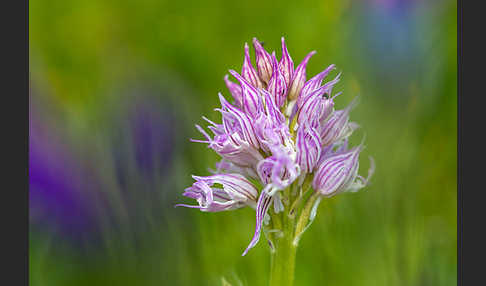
267	153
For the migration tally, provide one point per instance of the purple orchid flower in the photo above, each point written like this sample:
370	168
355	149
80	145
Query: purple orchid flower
339	172
280	130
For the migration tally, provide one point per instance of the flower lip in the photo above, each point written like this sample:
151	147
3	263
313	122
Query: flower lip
235	192
263	205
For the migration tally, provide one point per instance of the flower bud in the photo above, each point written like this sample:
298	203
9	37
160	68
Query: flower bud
263	61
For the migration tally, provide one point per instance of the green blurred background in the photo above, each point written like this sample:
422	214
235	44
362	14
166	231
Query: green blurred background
117	86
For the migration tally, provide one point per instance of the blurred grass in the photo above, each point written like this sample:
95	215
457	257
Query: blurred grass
401	230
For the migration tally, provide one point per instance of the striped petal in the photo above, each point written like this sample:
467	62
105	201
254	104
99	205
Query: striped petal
263	61
241	120
312	107
335	173
308	148
314	83
248	71
299	77
286	64
251	99
276	84
271	108
337	127
235	91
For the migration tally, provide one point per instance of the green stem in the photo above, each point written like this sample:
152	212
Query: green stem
289	226
284	252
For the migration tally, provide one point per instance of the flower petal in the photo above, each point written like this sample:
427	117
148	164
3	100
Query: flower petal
335	173
308	148
299	77
263	61
251	99
286	64
315	82
337	127
235	91
248	71
242	120
314	106
276	84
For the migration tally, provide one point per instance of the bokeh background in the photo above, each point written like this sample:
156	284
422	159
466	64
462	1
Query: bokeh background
116	87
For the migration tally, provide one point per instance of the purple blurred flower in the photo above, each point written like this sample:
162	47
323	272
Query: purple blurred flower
59	187
153	132
280	129
390	37
142	137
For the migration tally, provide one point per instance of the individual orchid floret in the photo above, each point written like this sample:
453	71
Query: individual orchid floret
339	173
280	169
314	107
337	127
232	148
221	192
277	172
315	104
263	61
235	139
